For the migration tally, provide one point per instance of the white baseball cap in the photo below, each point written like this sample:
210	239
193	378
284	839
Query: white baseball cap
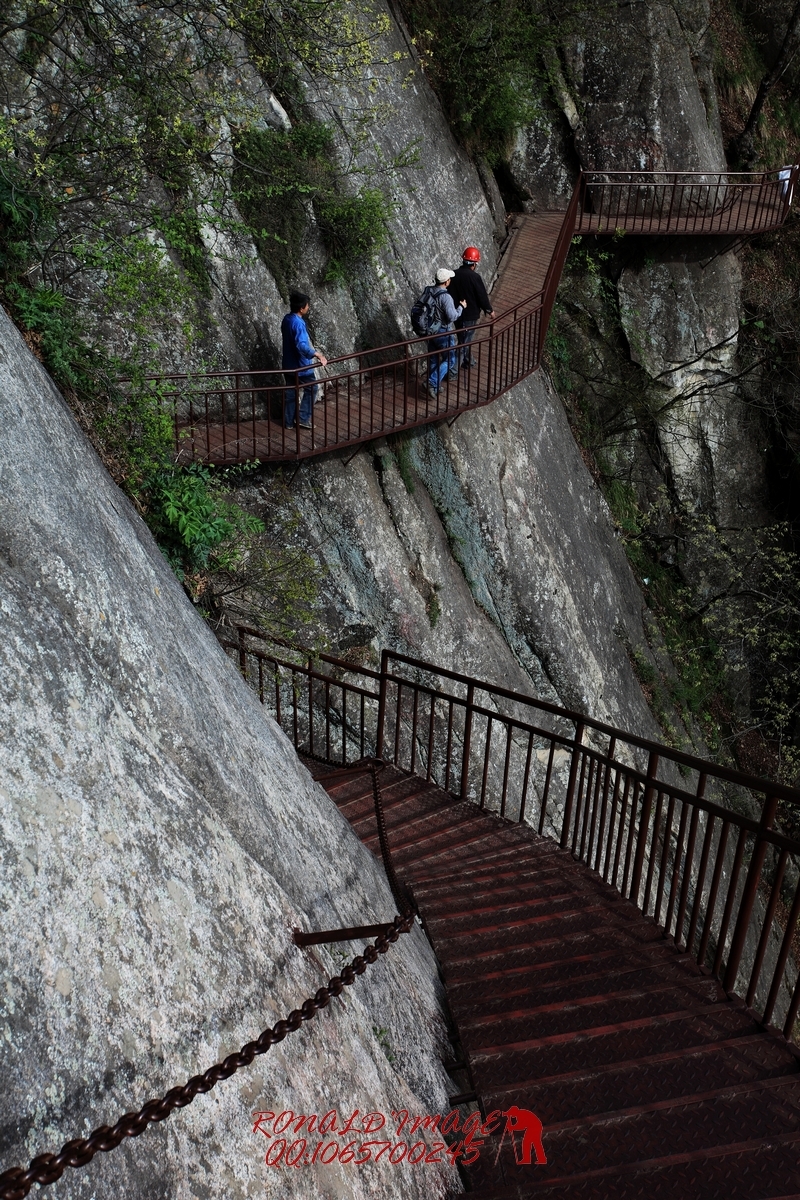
443	274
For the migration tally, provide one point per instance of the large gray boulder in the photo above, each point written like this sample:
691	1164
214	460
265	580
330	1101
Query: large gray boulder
160	839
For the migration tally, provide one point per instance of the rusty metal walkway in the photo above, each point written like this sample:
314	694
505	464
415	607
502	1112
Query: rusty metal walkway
615	921
234	417
649	1080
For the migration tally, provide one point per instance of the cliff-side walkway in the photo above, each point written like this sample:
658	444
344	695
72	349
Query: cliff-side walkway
616	937
233	417
648	1078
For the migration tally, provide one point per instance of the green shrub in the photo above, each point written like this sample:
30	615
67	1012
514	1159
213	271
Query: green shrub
192	521
278	176
45	311
490	62
352	227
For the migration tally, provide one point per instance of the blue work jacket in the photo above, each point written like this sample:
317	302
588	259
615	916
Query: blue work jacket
297	348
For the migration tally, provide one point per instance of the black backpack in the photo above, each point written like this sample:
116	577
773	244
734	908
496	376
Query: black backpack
425	316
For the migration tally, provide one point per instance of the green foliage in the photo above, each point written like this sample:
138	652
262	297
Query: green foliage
196	527
559	357
134	109
434	606
401	449
352	227
122	128
192	522
756	613
491	62
485	62
272	582
622	501
278	176
698	689
382	1038
181	231
739	65
48	313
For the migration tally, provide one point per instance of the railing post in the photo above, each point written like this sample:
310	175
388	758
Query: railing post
382	704
749	894
310	705
467	742
641	846
573	775
490	363
297	395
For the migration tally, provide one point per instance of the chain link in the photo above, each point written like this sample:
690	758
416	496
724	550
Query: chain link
16	1183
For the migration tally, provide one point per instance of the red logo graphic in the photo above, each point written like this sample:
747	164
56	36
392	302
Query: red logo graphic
522	1120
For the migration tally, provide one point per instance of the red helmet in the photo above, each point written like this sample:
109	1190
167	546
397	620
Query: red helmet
472	254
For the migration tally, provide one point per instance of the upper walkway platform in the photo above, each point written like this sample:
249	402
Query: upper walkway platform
234	417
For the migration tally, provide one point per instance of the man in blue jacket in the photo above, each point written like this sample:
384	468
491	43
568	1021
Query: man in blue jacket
299	353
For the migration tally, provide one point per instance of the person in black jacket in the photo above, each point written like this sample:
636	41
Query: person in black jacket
468	286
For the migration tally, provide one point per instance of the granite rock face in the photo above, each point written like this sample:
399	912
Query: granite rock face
160	840
641	80
681	320
437	203
637	92
501	563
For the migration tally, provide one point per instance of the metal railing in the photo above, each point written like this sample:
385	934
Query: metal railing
232	417
238	416
685	202
692	844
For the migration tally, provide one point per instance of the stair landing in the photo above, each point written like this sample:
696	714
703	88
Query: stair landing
649	1080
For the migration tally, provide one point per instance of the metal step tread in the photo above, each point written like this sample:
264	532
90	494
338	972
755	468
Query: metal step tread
649	1080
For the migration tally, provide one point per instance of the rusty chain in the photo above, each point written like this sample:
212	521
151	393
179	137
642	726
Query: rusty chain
47	1168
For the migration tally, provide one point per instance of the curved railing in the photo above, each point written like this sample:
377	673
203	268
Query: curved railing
692	844
231	417
238	416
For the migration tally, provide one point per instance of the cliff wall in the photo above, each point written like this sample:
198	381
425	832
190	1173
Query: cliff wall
160	840
161	836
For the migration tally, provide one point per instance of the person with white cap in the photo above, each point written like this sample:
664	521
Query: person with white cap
447	312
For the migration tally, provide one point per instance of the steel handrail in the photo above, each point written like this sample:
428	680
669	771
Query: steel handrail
755	176
240	414
193	377
680	855
576	717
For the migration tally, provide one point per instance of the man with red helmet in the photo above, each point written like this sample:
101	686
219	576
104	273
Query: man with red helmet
468	286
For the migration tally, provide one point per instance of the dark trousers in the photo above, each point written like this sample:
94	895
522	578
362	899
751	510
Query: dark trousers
465	336
309	395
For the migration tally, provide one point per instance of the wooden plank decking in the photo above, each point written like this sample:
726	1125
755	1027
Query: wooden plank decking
524	265
356	408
